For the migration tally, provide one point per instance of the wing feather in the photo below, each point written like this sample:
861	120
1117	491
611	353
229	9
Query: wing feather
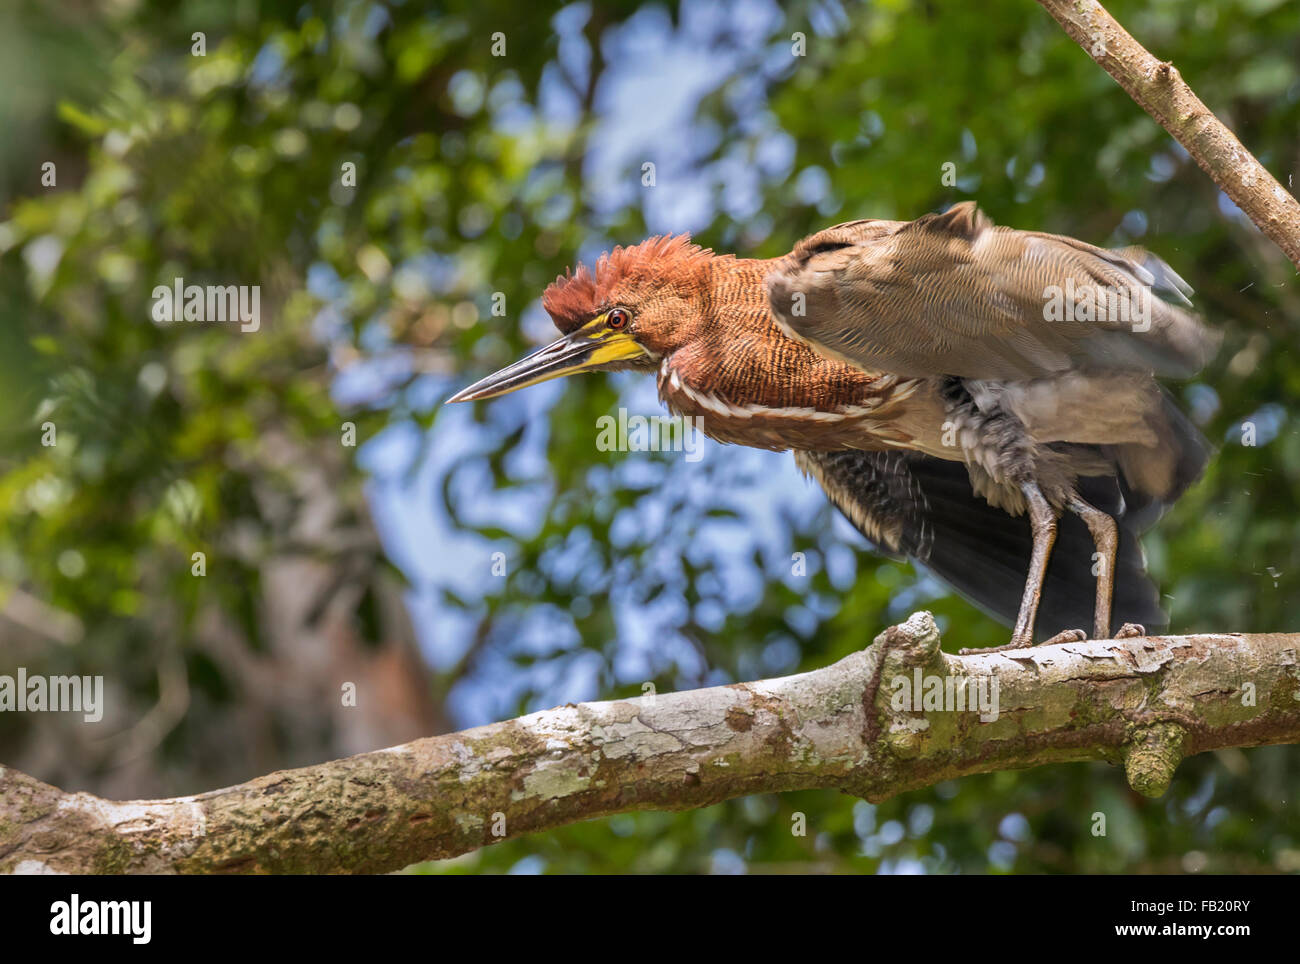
953	294
921	508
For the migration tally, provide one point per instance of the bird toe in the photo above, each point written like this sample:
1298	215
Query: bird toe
1066	636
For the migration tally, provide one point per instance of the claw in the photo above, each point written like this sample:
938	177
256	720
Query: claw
1065	636
1131	631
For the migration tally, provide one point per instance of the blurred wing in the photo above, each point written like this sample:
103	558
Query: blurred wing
878	494
952	294
922	508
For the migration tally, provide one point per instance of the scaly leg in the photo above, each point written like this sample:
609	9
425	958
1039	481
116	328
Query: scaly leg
1042	523
1105	536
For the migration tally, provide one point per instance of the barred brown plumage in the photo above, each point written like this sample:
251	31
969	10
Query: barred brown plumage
943	379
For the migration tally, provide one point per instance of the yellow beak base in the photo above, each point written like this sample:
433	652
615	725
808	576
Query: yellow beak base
589	347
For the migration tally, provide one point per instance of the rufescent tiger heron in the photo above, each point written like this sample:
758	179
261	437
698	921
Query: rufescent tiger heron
968	395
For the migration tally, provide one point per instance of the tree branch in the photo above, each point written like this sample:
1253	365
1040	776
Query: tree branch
1158	89
1146	703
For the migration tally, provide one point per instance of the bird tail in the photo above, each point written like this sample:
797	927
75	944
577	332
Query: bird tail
1154	477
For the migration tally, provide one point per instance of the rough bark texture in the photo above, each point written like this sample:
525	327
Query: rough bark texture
1158	89
1145	703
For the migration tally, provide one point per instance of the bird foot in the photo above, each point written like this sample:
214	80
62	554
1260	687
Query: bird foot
1131	631
1065	636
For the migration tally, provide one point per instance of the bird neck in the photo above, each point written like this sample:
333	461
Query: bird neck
739	355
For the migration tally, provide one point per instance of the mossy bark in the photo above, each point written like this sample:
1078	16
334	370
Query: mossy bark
1146	703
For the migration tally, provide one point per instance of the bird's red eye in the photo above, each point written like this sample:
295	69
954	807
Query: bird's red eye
617	318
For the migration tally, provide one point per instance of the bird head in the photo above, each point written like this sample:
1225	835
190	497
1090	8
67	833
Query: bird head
638	305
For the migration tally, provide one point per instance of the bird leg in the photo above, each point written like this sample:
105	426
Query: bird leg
1105	536
1042	523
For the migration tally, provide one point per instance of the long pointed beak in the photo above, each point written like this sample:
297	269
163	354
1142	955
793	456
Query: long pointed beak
587	348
